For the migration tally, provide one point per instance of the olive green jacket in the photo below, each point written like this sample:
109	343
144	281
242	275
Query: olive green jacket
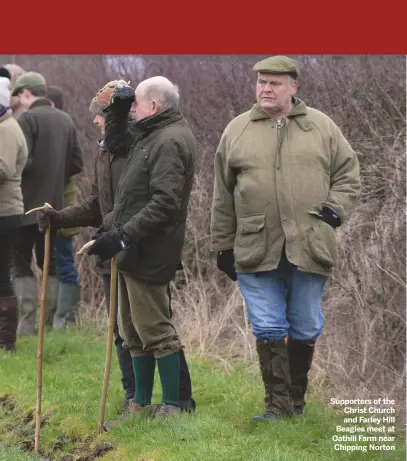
272	179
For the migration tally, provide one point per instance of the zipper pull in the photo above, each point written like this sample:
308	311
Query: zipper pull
279	124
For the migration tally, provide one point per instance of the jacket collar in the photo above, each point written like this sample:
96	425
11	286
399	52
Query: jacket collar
299	113
159	120
40	102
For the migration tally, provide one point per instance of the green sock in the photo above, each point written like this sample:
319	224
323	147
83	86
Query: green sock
144	368
168	367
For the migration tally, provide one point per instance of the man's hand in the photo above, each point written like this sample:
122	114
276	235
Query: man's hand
329	216
108	245
49	217
226	263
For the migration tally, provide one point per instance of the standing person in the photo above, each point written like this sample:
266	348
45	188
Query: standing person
15	72
96	211
13	155
150	213
285	179
69	290
54	155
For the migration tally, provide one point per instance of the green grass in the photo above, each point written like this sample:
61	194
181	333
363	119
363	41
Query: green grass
221	429
14	454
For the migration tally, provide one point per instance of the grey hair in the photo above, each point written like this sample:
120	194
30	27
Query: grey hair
166	96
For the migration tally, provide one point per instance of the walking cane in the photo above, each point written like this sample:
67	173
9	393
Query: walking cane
41	328
112	316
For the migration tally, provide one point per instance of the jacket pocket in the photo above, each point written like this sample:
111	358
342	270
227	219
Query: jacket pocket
251	241
322	244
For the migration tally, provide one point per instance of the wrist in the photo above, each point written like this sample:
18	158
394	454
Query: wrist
124	239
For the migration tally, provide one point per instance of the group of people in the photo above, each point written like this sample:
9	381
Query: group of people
39	158
285	179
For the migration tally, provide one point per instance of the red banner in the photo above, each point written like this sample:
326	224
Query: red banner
210	27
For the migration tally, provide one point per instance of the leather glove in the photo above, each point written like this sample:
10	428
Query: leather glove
226	263
122	99
330	216
107	245
49	218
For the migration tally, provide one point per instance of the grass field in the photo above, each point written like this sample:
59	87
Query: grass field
227	396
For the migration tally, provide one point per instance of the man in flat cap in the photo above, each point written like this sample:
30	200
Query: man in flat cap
285	179
54	156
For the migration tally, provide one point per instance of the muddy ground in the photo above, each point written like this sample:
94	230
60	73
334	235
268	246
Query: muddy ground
22	432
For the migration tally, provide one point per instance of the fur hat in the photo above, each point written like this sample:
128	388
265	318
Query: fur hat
104	95
4	92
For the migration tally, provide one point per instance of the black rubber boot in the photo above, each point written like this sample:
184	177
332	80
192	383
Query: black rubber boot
274	367
186	402
8	322
300	355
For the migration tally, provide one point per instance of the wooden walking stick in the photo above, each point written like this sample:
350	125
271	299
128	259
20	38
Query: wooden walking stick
44	287
112	317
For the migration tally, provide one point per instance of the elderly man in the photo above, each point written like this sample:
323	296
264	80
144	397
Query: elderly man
150	213
285	179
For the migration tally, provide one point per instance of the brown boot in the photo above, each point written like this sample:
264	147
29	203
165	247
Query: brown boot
274	367
300	355
8	322
131	410
163	410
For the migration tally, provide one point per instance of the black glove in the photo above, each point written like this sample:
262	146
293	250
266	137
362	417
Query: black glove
122	99
226	263
49	217
330	216
108	245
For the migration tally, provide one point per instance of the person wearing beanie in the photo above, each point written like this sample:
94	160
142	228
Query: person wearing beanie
13	156
14	72
5	73
97	211
54	156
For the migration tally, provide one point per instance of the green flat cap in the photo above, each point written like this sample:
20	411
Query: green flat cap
28	80
278	65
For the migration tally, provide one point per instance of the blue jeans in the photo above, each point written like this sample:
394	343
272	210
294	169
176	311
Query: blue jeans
284	302
66	269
